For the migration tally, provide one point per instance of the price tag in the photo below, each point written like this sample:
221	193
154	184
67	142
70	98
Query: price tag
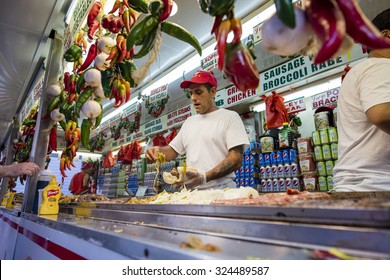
141	191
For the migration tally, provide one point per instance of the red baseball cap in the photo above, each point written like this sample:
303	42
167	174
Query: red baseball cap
200	77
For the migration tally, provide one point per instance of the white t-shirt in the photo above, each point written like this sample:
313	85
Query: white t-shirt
206	140
364	149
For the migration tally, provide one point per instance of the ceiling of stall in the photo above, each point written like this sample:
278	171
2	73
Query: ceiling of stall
26	25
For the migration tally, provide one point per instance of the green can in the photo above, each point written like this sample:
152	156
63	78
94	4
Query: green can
329	180
321	168
316	138
318	153
323	183
324	137
332	133
334	150
329	167
326	153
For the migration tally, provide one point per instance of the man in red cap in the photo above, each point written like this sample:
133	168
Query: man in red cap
213	140
80	181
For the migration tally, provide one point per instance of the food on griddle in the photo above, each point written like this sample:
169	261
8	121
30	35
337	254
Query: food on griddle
197	244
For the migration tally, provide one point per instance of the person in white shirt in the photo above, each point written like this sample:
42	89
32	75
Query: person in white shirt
213	140
363	113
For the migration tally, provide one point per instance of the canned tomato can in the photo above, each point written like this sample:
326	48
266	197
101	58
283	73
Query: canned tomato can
288	183
321	168
281	171
306	163
334	150
275	185
294	170
304	145
316	138
295	183
322	183
318	153
329	180
326	153
322	120
282	185
263	184
332	133
274	171
324	137
329	167
287	170
269	185
310	181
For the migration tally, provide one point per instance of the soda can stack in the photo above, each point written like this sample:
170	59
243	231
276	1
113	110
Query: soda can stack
325	155
248	174
277	170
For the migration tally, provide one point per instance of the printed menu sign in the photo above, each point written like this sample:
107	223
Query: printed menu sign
158	94
295	105
209	62
327	98
178	116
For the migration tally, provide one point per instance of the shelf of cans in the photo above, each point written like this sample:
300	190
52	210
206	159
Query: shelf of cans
268	172
317	157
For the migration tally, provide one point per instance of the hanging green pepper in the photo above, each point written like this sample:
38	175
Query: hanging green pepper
85	132
63	124
83	97
80	83
285	12
106	78
141	29
98	119
182	34
139	5
53	104
147	44
73	53
126	68
220	7
155	8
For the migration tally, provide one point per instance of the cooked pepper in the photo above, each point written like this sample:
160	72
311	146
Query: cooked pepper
85	132
84	96
147	45
93	13
92	52
167	9
240	68
141	29
359	26
73	54
182	34
285	12
222	34
329	24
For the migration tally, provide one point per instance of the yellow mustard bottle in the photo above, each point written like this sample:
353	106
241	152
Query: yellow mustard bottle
10	201
50	197
5	198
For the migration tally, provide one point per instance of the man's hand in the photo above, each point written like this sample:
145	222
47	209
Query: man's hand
24	168
151	154
192	179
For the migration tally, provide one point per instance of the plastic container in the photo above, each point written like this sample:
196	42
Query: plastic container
50	197
286	137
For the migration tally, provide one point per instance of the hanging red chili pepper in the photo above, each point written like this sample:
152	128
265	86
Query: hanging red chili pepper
92	53
168	5
93	13
53	138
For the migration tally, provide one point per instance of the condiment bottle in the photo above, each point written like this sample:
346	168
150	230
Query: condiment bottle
50	196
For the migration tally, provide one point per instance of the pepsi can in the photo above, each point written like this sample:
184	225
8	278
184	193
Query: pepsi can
261	160
237	183
251	182
288	183
242	172
251	160
269	185
246	171
267	159
274	158
287	170
286	156
296	183
262	172
251	171
281	171
263	184
246	182
242	182
268	173
279	157
275	185
294	169
274	171
246	160
282	185
293	155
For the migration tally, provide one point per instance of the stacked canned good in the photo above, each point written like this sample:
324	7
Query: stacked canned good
325	154
307	164
279	171
247	174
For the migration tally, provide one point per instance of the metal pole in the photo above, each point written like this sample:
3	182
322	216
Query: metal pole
43	126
